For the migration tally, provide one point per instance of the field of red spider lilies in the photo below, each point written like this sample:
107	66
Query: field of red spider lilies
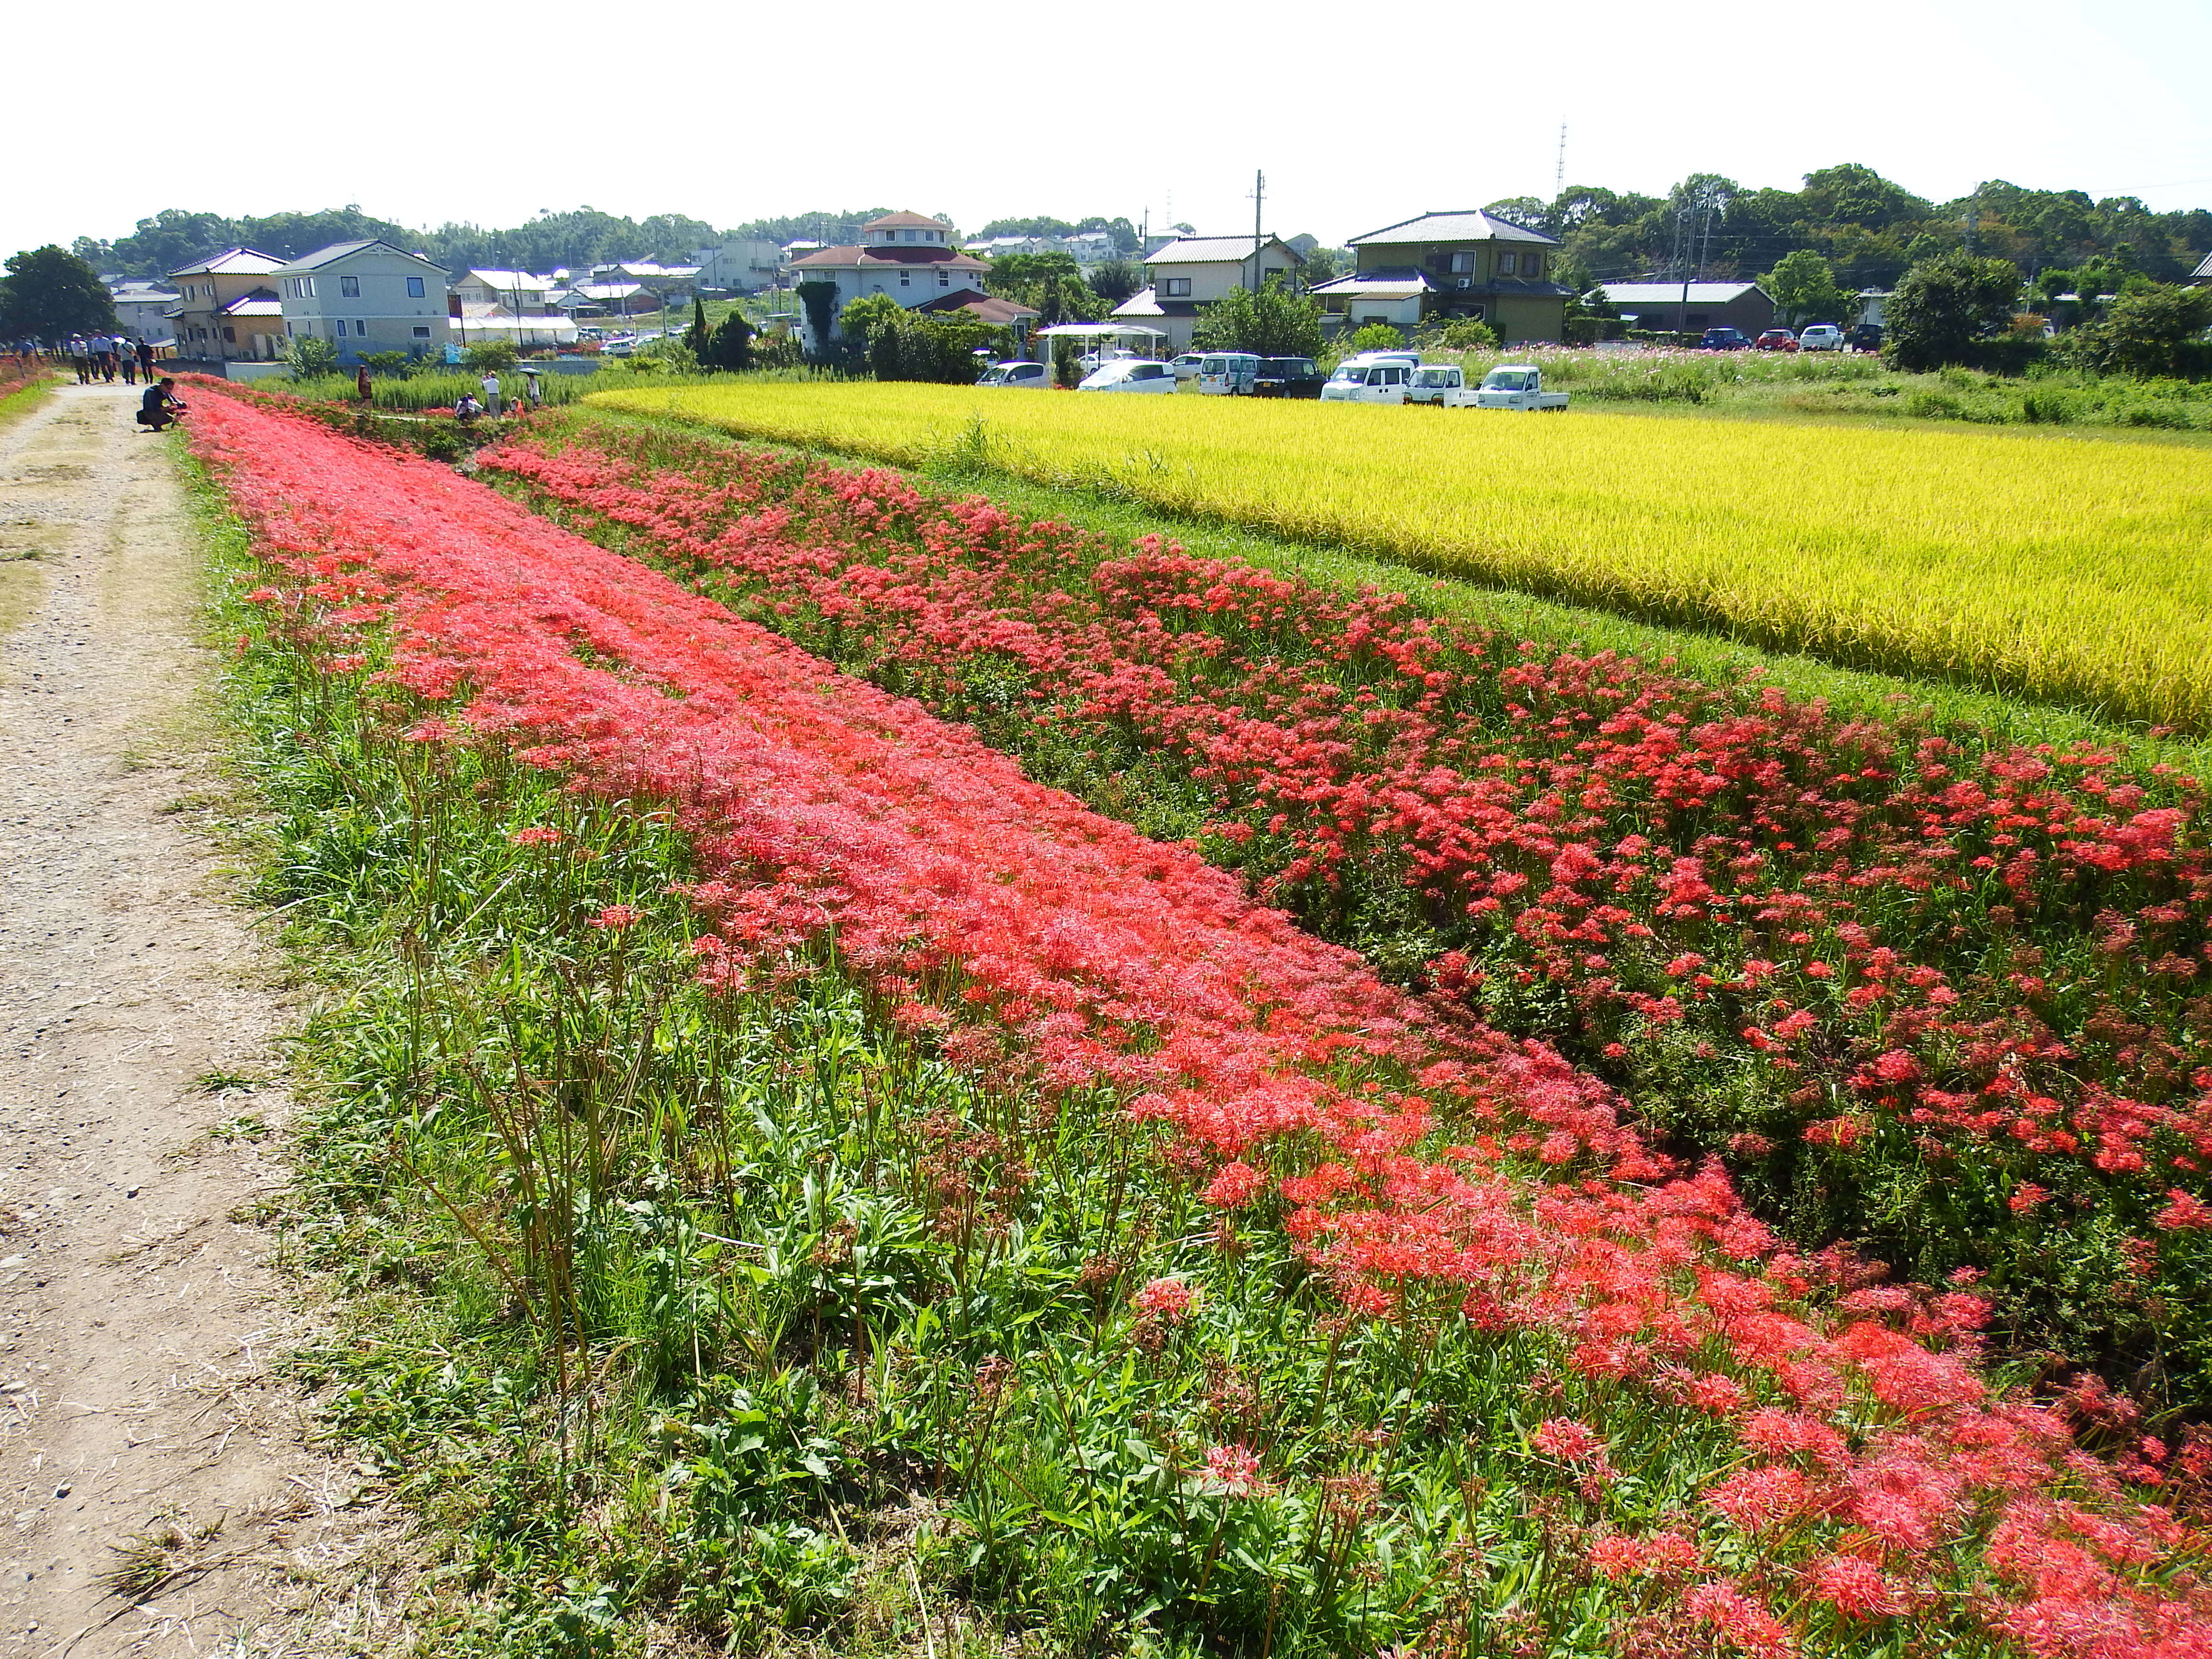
1831	953
1933	996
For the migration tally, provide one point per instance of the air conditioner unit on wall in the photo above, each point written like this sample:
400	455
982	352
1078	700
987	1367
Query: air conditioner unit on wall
1464	282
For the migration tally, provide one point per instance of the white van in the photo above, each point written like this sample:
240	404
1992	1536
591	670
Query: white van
1228	373
1129	374
1356	382
1433	382
1035	376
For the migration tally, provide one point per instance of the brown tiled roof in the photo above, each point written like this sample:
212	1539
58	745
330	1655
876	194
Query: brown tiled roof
888	254
985	307
893	221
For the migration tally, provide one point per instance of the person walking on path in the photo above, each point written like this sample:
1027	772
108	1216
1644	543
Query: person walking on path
493	401
103	358
80	356
126	359
532	392
146	361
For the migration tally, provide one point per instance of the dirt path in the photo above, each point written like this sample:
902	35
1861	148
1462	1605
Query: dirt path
141	1436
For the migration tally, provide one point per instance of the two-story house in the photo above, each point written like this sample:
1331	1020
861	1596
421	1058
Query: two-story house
366	297
228	310
518	293
743	264
1444	266
908	256
1192	272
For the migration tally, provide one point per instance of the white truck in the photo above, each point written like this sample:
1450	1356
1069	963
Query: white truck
1517	385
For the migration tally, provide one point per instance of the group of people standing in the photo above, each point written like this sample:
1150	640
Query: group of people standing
103	356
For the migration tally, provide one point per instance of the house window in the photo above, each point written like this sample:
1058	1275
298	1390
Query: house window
231	335
413	287
945	279
1462	265
1507	263
307	288
906	278
1535	265
422	333
349	288
1175	287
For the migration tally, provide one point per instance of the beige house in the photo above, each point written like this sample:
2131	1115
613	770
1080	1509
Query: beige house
1445	266
1192	272
227	311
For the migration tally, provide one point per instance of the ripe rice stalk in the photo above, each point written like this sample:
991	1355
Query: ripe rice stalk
2065	570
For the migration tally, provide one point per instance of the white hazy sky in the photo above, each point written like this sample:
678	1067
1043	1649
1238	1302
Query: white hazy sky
424	114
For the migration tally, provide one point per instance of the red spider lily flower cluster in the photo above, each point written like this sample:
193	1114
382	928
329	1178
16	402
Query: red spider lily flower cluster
1826	949
1422	1161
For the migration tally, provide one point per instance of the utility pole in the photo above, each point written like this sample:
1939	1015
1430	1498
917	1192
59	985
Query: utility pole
1259	197
1559	172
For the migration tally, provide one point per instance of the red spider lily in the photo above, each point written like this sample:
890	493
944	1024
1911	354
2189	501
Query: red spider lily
1425	1162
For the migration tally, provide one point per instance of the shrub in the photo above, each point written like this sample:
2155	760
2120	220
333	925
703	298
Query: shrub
490	357
1376	337
310	357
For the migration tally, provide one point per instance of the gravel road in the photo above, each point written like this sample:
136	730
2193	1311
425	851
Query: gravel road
160	1493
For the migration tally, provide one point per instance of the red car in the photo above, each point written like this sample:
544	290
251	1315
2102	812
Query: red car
1775	339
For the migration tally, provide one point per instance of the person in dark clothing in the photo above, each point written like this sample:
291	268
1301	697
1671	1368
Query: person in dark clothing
161	405
146	362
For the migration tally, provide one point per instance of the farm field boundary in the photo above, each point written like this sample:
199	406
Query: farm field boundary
2061	569
1713	655
1295	1354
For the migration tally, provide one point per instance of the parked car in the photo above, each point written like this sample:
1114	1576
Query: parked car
1288	377
1724	339
1186	367
1432	381
1129	374
1361	360
1355	382
1228	373
1035	376
1867	336
1821	337
1775	339
1092	362
1517	385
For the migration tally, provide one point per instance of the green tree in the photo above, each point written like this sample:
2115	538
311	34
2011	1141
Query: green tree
697	336
1117	279
1944	307
310	355
1376	337
732	346
1804	289
861	318
2155	330
1274	323
49	293
818	297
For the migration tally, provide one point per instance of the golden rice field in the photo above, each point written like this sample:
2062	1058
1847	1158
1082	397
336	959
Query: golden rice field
2066	569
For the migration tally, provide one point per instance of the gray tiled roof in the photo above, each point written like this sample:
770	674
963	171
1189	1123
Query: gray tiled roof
1471	225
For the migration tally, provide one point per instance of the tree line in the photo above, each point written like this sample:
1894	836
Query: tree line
1867	228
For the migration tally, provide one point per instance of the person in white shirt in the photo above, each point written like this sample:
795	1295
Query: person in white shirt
493	401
